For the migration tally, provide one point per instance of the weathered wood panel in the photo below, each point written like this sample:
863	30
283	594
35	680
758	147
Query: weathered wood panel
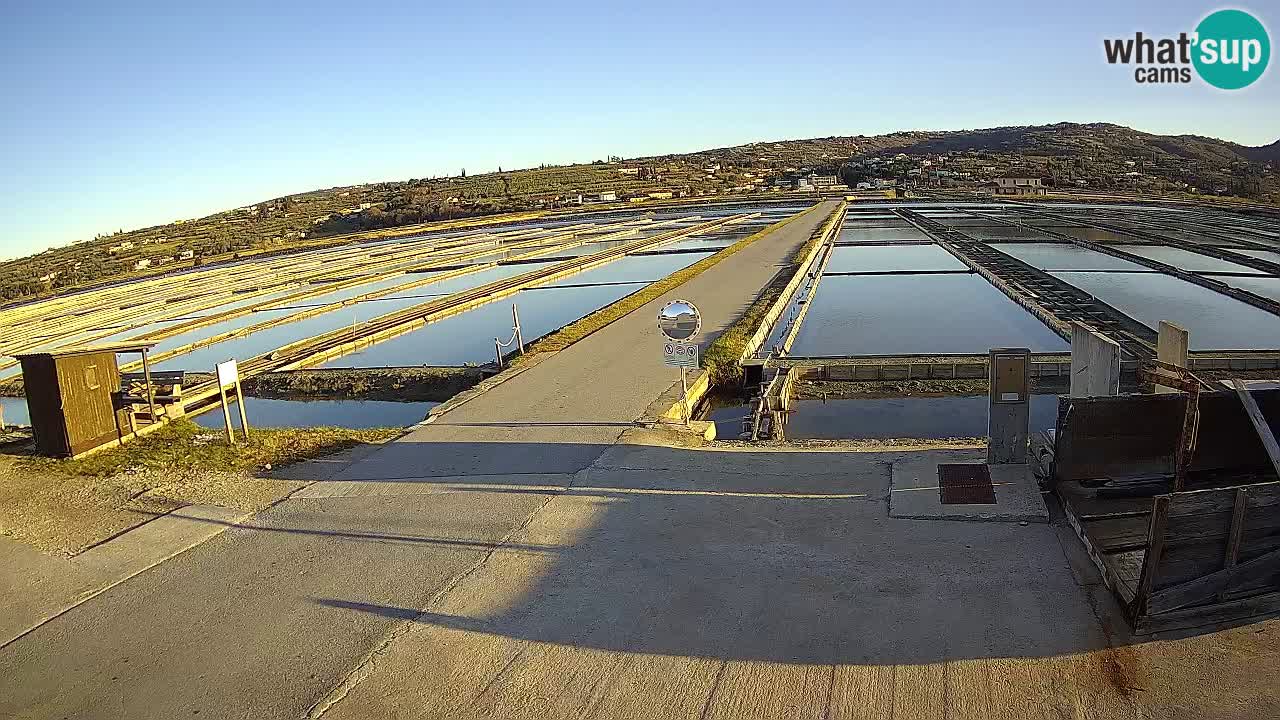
1095	363
1137	435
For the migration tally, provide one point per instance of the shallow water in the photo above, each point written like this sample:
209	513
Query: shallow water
15	410
358	414
1268	287
1187	260
909	314
1268	255
1065	256
907	417
860	235
633	268
248	346
1216	321
468	337
887	258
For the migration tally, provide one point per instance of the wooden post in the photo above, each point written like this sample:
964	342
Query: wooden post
1095	363
684	397
1155	551
497	349
1260	424
1171	348
226	414
151	392
244	420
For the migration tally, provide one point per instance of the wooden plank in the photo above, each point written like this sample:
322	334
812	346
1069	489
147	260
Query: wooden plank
1259	423
1185	561
1117	534
1198	502
151	389
1171	347
1122	572
1236	533
1137	436
1216	528
1210	615
1094	554
1237	529
1155	548
1203	588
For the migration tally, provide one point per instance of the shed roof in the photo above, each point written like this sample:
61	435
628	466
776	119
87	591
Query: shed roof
128	346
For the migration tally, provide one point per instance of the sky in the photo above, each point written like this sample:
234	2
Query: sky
118	115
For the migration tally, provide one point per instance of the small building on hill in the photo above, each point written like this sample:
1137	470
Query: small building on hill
1020	186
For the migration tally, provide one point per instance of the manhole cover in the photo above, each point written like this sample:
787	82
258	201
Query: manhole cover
965	484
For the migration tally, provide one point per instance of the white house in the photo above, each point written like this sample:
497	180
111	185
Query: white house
1020	186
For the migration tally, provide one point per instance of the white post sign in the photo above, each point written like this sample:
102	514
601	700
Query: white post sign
229	378
680	354
679	321
228	373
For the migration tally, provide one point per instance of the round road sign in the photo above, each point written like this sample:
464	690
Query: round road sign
679	320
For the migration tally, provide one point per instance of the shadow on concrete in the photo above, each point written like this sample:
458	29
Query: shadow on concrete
777	556
781	556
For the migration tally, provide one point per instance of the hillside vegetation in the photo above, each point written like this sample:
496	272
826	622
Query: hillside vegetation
1096	157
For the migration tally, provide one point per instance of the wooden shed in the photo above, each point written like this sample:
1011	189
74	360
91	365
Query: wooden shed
70	397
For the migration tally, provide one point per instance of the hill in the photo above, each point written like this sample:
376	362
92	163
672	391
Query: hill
1094	156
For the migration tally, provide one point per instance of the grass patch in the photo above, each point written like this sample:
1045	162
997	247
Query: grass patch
723	357
184	447
578	330
408	384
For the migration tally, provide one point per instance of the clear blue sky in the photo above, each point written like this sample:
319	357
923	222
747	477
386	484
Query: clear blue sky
120	115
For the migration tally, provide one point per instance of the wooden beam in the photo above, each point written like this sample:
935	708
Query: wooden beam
1207	615
1236	533
1155	551
1203	588
1259	423
151	391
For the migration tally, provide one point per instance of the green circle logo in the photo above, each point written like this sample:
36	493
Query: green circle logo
1232	49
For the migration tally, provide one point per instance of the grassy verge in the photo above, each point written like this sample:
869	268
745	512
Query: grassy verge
399	384
576	331
183	446
722	357
64	506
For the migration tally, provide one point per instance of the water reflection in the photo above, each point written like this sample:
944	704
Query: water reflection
905	417
909	314
357	414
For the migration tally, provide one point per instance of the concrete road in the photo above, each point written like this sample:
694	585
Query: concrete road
676	583
558	416
534	555
246	625
729	596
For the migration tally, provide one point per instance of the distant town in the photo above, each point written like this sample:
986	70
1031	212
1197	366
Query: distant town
1065	158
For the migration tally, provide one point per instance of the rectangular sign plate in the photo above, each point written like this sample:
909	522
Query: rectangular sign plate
228	373
679	354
